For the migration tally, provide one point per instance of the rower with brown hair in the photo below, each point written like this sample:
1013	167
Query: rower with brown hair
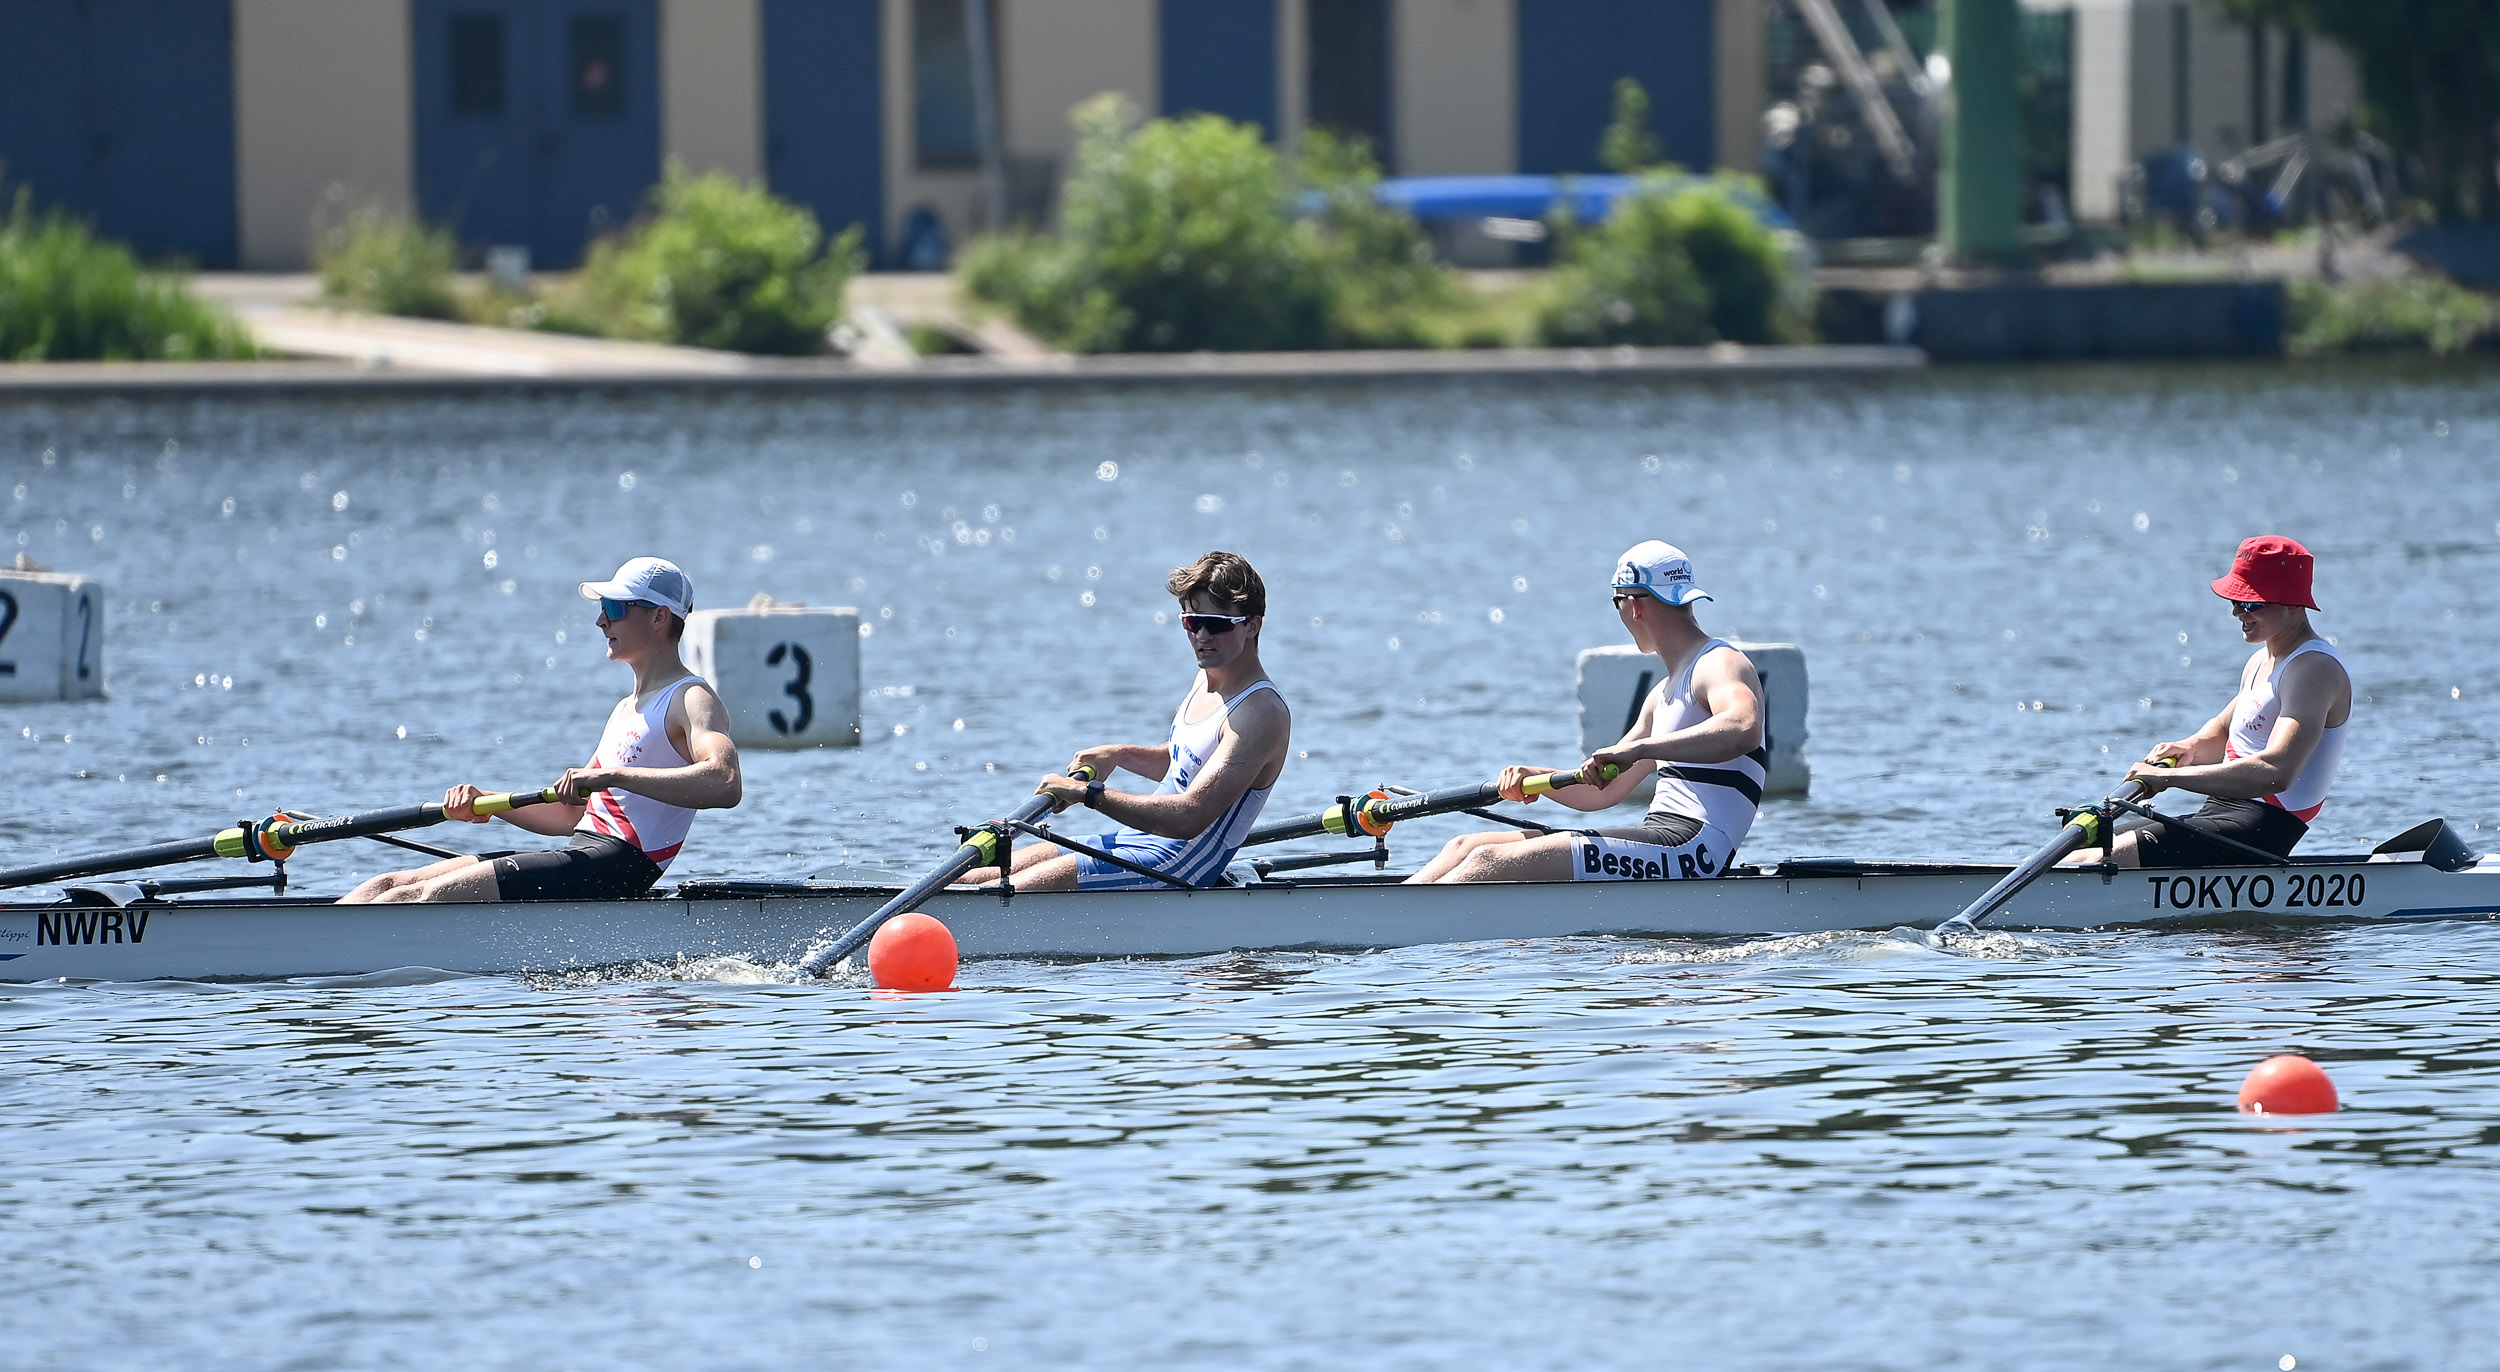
1227	748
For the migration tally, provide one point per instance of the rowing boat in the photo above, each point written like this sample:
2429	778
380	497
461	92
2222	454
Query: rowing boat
118	932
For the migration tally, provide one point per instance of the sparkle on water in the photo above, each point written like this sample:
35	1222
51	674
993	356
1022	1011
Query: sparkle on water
1834	1150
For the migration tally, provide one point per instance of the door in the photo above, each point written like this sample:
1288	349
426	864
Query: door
537	120
824	140
122	112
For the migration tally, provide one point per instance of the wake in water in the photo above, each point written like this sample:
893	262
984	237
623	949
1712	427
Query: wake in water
1847	946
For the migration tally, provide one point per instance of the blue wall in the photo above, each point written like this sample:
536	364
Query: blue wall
1572	51
824	122
1219	57
540	168
122	111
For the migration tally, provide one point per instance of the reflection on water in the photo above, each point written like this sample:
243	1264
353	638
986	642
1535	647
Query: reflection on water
1839	1150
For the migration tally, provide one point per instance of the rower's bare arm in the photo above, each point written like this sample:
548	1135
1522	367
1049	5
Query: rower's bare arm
1251	752
460	802
2314	691
713	779
1148	760
1726	685
2202	748
1513	780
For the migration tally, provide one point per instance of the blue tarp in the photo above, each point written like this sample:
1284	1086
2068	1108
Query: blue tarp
1431	198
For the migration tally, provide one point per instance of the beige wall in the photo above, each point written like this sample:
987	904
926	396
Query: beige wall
323	119
1739	80
1060	53
2107	99
712	85
1455	78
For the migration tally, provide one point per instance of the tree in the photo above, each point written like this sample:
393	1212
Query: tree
1629	146
2428	72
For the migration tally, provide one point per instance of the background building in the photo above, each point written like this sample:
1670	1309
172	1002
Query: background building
226	131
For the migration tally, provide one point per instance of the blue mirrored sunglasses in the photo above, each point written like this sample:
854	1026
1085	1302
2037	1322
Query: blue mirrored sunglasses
610	611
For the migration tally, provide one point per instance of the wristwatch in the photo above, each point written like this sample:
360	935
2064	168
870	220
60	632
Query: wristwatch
1093	794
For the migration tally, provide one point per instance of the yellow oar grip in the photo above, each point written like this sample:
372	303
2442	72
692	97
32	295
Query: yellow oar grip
1543	783
501	801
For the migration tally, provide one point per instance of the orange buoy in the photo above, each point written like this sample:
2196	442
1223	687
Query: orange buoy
912	952
2287	1085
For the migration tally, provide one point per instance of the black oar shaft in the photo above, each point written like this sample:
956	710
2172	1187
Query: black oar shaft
272	838
985	846
127	860
2083	829
1376	814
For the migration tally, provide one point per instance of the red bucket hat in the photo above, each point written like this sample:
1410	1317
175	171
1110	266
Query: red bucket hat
2272	569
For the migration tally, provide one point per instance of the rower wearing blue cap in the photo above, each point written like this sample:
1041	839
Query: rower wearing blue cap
1699	731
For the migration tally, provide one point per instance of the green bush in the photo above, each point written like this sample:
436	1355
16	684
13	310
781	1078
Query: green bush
388	264
714	264
64	294
1384	288
1681	261
1177	235
2413	313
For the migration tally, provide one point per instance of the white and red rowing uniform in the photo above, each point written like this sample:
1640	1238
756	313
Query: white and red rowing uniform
2253	715
639	738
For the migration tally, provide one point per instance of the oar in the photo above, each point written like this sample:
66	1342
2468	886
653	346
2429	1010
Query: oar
2082	829
986	846
1373	815
274	838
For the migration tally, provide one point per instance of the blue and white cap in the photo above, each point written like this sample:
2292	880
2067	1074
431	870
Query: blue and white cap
1661	569
653	579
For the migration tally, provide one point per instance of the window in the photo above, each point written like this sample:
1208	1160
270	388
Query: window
598	64
1349	46
943	132
477	64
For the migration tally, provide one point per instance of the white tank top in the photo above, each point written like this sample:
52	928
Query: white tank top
1193	745
1724	795
2253	715
639	738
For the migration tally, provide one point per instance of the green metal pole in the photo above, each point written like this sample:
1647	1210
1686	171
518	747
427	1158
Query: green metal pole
1979	188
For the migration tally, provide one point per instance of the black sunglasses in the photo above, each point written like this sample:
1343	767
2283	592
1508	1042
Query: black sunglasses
2248	607
1212	624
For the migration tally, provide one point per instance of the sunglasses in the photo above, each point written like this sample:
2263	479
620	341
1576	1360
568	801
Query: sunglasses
1622	596
1212	624
613	611
2248	607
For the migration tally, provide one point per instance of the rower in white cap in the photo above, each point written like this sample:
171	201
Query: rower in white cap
665	754
1700	730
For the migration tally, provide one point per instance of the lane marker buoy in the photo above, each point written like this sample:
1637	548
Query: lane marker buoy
912	952
2287	1084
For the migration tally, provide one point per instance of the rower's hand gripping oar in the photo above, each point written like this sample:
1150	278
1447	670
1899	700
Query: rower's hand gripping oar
987	845
2088	827
274	839
1372	816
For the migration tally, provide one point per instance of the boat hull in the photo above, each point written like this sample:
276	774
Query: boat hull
773	923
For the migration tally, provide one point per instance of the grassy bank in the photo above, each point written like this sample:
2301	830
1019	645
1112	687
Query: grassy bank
67	295
711	263
2421	313
1187	234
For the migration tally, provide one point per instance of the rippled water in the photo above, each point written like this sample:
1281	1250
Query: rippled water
1838	1152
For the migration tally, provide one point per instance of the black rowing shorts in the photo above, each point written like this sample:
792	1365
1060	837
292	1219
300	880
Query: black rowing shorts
591	867
2182	843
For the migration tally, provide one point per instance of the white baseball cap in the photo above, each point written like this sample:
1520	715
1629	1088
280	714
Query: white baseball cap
1661	569
652	579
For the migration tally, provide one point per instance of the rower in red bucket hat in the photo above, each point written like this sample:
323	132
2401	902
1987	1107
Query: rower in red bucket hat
2265	763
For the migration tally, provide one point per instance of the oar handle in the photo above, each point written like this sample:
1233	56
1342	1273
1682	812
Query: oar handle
501	801
1373	816
986	845
1555	781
